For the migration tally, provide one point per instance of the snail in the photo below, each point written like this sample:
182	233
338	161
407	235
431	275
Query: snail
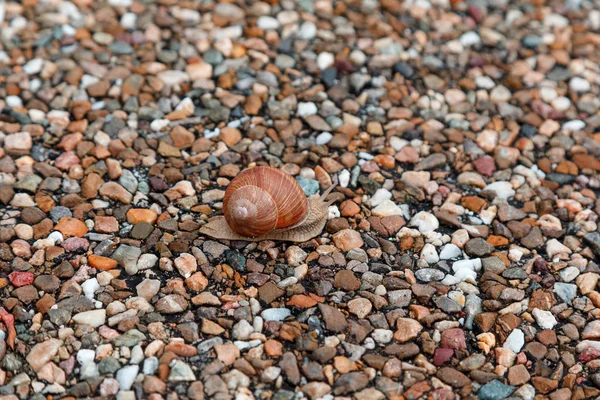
265	203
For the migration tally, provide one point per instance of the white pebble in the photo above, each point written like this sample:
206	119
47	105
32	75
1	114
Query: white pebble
574	125
306	109
429	254
95	318
325	60
561	103
344	178
150	365
120	3
267	23
380	196
382	335
126	376
85	356
463	264
470	38
323	138
398	143
33	66
554	247
544	319
275	314
387	208
358	57
503	189
450	251
425	221
578	84
464	275
484	82
158	124
333	212
515	341
137	355
128	20
14	101
89	288
308	30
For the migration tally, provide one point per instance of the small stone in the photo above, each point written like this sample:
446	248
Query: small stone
515	341
181	372
102	263
346	280
316	390
425	222
275	314
43	352
94	318
114	191
478	247
429	275
450	251
127	257
565	292
518	375
544	319
453	338
350	383
171	304
495	390
347	239
17	143
71	227
186	264
453	377
148	288
502	189
407	329
360	307
126	376
333	318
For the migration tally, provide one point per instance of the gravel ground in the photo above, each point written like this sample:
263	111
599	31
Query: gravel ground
459	260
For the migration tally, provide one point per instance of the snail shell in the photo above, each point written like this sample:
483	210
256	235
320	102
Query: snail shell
266	203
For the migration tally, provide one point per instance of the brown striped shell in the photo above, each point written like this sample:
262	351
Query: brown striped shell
263	199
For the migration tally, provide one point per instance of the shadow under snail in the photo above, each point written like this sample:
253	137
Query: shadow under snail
265	203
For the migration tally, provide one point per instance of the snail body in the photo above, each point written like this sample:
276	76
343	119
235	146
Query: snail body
265	203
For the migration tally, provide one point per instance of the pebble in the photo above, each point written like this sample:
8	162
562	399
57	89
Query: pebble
275	314
126	376
429	275
503	190
578	84
450	251
515	341
544	319
425	222
94	318
495	390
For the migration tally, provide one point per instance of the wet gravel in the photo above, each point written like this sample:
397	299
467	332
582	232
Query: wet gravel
459	259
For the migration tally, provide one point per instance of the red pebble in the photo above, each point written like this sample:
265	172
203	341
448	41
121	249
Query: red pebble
442	355
589	354
19	279
485	165
453	338
476	13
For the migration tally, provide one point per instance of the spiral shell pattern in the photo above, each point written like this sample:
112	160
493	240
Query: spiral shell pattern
262	199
